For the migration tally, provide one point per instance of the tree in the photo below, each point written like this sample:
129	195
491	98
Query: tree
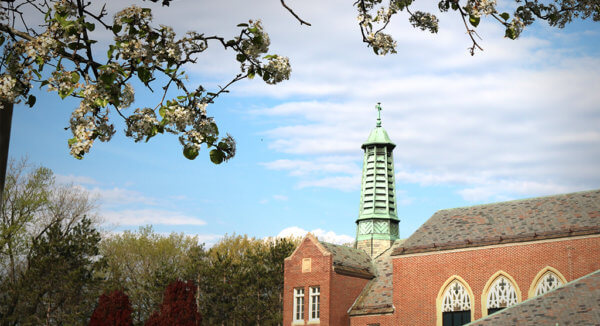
51	43
48	251
240	281
113	309
373	17
178	308
143	263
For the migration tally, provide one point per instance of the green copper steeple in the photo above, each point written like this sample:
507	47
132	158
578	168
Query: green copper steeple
377	217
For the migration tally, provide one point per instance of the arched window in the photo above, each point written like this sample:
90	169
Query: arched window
547	279
501	294
456	305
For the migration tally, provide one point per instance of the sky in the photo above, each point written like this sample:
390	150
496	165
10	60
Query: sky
519	119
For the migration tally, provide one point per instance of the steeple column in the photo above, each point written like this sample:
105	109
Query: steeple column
377	223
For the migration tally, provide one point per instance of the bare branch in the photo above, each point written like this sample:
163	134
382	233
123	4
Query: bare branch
294	14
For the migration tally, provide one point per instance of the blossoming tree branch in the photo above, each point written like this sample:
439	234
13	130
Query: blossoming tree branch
60	54
374	17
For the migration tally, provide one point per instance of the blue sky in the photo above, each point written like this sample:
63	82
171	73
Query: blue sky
520	119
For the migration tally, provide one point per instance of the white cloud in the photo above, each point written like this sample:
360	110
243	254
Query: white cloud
120	196
280	197
327	236
75	179
131	217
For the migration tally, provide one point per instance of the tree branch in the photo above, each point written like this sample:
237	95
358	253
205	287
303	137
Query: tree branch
294	14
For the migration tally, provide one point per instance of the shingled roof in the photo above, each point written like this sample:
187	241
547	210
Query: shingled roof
376	297
350	261
575	303
512	221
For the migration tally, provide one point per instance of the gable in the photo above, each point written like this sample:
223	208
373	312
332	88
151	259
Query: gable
513	221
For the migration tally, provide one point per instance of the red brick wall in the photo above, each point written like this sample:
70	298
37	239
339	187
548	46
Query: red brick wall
418	279
344	291
382	320
338	292
294	278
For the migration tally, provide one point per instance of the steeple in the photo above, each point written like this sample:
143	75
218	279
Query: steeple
377	223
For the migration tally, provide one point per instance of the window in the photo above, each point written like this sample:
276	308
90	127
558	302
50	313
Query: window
314	309
298	304
456	305
549	281
502	294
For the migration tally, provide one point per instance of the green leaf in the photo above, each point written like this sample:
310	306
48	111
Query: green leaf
510	33
505	15
216	156
144	74
240	57
454	5
223	146
107	79
111	49
90	26
72	141
31	101
474	20
74	77
116	28
162	111
191	153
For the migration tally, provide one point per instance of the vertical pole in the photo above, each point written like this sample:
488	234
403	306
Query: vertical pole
5	124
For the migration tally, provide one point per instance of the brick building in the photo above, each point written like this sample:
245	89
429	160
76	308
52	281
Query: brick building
462	265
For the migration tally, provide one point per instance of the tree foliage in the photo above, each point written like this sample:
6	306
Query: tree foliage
48	251
113	309
178	307
53	44
375	15
144	263
240	281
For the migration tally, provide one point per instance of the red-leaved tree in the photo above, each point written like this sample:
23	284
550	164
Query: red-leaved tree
113	309
178	307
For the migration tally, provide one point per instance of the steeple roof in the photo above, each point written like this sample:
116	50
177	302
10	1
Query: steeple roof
379	136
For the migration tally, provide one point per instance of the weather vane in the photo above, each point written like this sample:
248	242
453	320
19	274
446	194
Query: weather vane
378	107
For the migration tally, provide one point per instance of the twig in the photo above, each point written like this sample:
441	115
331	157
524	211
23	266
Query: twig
294	14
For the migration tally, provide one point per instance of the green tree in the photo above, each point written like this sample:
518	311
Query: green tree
144	263
48	251
240	281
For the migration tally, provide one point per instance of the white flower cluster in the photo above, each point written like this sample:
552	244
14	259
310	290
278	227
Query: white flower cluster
127	96
179	116
141	123
40	46
62	81
383	42
477	8
258	44
279	68
383	15
7	88
517	26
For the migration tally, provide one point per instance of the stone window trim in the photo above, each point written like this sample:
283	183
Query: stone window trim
441	294
298	306
541	275
314	304
489	287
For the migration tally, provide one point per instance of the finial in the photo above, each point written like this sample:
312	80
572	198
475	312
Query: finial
378	107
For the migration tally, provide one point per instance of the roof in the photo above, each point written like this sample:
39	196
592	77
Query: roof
376	297
378	136
506	222
350	261
575	303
